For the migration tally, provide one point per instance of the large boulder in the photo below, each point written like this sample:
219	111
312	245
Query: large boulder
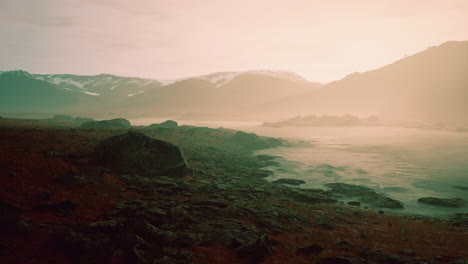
134	152
112	123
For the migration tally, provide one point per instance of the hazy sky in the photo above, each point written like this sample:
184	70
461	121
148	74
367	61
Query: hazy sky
321	40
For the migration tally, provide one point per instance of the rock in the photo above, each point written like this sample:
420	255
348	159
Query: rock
9	217
379	257
260	173
42	196
307	195
257	249
455	202
266	157
7	208
166	124
71	180
289	181
64	207
118	123
330	167
406	252
103	226
459	219
50	153
354	203
459	187
310	250
335	260
134	152
251	141
365	194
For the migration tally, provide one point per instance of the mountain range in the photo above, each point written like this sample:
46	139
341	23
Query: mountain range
430	85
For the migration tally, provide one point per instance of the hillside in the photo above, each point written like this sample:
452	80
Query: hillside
428	86
21	92
220	94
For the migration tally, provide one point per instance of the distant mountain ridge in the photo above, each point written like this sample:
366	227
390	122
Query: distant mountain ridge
105	92
17	94
431	85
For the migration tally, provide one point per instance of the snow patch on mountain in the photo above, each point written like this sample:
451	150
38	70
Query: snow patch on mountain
221	78
90	93
140	92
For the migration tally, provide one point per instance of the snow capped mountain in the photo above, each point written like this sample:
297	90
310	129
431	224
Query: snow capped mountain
220	79
102	84
220	92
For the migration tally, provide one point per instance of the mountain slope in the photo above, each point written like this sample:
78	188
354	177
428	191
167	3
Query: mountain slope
20	92
227	94
431	85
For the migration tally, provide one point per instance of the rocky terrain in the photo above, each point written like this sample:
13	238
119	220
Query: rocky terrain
183	194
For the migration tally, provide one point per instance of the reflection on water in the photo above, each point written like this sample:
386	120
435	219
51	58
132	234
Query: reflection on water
403	163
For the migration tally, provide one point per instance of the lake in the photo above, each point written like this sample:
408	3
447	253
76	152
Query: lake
402	163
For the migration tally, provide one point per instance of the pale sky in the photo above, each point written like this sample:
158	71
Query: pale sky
166	39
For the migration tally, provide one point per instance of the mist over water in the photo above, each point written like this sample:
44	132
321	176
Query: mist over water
402	163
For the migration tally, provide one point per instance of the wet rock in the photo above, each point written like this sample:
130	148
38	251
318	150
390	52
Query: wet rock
361	171
455	202
310	250
459	187
364	194
289	181
330	167
308	195
134	152
117	123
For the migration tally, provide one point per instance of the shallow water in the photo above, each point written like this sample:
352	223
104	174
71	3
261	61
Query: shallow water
402	163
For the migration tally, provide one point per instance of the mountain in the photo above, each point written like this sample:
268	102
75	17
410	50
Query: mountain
222	94
105	85
217	95
431	85
100	93
21	92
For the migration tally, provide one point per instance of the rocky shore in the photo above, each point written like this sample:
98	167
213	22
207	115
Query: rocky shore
90	195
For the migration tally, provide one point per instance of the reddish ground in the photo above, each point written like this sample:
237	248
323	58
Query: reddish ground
32	156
